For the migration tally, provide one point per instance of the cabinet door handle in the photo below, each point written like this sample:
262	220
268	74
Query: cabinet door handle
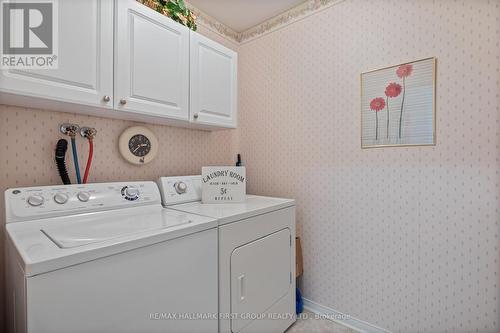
106	98
195	116
123	101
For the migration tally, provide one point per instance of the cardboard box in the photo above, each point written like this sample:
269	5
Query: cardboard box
299	269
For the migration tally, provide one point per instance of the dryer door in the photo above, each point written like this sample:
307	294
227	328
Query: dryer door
260	276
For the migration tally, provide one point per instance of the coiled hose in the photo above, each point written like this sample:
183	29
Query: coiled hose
61	149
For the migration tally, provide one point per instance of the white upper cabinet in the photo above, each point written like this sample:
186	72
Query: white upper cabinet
121	59
213	83
85	59
151	63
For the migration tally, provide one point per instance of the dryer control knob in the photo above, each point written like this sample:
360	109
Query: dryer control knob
61	198
35	200
83	196
180	187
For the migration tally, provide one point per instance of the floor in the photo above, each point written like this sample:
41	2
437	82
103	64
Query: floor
309	323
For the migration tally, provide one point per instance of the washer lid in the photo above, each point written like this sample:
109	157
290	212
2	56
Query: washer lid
49	244
90	229
231	212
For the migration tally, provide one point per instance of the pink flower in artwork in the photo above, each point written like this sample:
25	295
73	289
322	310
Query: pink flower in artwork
404	70
393	90
377	104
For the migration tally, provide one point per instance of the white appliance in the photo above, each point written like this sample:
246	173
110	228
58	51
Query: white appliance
256	255
108	258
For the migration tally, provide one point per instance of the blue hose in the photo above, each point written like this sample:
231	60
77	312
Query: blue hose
75	159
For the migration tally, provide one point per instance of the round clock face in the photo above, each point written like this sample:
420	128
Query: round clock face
139	145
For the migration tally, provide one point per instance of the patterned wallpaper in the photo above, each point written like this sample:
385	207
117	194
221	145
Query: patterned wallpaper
404	238
28	138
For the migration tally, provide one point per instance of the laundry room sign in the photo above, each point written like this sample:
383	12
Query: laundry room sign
223	184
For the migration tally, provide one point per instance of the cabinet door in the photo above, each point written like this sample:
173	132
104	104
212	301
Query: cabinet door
151	62
213	83
85	58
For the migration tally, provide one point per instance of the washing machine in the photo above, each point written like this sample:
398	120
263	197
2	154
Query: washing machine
256	255
108	258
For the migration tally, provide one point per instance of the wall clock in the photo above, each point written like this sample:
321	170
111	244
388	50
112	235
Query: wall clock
138	145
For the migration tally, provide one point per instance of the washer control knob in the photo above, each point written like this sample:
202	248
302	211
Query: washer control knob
61	198
35	200
130	193
83	196
180	187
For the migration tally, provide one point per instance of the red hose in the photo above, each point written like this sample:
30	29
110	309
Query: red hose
89	161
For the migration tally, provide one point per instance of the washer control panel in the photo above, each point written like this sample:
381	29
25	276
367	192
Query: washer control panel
50	201
177	190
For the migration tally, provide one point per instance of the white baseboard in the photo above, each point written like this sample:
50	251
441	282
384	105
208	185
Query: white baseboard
342	318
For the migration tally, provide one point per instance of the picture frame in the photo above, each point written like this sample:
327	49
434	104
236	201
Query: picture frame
398	105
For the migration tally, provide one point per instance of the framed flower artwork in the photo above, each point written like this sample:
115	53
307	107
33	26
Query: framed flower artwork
398	105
